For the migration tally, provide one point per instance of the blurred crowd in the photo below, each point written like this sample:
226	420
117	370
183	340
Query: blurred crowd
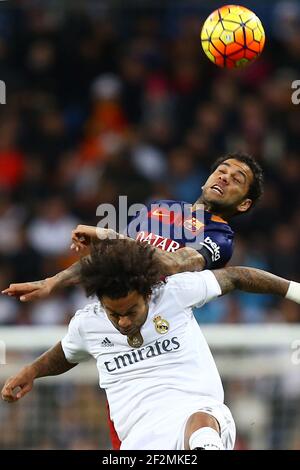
103	102
59	417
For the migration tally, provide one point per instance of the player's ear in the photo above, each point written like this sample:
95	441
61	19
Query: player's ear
244	205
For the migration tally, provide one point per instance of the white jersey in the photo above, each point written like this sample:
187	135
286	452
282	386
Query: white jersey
174	366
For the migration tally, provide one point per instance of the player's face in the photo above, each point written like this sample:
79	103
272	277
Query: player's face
227	187
127	314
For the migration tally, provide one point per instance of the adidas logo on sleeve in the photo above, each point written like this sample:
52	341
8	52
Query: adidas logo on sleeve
107	343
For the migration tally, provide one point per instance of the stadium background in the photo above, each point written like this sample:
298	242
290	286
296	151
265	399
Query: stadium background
104	100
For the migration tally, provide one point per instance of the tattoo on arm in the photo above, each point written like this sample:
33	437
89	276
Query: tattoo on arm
52	362
250	280
71	275
184	259
68	277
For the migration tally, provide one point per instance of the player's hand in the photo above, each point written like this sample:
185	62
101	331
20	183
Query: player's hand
28	291
83	235
17	386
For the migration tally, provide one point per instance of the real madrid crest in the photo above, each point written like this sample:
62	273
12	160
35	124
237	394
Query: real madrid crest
135	341
162	326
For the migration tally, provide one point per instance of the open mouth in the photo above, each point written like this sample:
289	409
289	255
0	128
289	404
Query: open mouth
217	189
127	332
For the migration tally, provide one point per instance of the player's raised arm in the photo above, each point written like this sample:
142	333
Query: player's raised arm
185	259
256	281
52	362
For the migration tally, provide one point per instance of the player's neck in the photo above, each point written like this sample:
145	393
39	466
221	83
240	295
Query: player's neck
200	203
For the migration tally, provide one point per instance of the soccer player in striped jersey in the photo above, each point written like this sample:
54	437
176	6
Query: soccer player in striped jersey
233	187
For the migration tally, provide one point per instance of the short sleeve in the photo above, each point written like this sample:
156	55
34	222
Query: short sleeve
73	344
194	289
216	249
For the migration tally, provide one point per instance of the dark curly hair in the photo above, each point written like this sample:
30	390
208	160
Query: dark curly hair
116	267
257	186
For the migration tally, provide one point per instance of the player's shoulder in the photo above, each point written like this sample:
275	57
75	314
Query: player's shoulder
185	280
186	289
172	291
217	247
217	224
91	316
218	235
171	284
90	310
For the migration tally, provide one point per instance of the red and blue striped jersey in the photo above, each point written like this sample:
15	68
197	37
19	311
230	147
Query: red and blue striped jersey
171	225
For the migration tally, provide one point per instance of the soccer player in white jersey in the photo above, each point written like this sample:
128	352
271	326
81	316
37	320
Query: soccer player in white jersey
162	384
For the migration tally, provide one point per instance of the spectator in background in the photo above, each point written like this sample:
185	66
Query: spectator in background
102	102
49	231
11	157
103	107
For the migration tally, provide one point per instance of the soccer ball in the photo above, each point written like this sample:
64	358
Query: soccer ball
232	36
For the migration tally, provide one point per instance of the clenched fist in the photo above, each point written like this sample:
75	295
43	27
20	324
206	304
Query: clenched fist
17	386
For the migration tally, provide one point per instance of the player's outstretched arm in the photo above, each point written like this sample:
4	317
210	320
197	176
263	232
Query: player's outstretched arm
256	281
185	259
28	291
52	362
82	236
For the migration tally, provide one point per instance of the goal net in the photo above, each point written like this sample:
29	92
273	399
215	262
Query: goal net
259	366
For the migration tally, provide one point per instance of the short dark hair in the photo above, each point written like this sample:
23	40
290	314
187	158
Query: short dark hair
256	188
116	267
